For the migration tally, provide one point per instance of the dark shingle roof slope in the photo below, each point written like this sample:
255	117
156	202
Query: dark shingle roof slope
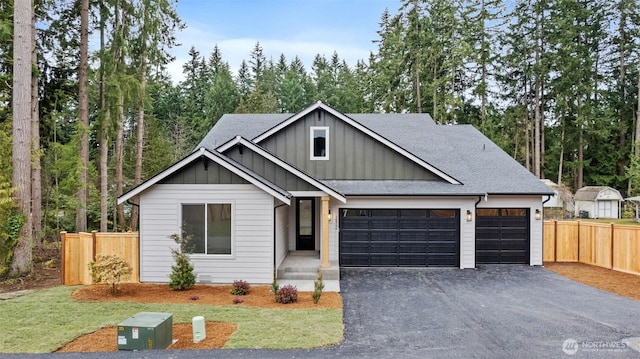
460	151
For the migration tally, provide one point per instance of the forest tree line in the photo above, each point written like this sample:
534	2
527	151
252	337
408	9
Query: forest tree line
88	109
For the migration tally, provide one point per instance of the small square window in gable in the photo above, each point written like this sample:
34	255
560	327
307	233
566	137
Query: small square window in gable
319	143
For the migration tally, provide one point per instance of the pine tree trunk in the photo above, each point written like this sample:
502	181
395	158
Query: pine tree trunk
104	135
538	100
139	140
83	115
36	177
21	156
119	153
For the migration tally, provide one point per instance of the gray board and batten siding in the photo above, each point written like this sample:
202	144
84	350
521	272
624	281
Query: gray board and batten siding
203	172
267	169
353	155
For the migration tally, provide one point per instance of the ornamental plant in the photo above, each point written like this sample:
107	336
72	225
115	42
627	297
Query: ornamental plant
240	287
182	276
287	294
318	286
111	270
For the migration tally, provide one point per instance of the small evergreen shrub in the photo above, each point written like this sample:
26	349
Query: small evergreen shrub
240	287
274	284
318	286
182	276
287	294
111	270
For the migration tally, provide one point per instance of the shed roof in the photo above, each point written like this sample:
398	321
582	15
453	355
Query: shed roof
592	193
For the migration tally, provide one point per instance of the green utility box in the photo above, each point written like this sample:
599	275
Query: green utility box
146	330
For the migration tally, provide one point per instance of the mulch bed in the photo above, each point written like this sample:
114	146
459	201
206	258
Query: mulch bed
105	339
624	284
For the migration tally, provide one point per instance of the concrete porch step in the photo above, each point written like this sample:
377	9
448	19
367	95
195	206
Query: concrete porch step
302	273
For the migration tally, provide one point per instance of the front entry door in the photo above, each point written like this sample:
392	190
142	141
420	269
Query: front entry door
305	224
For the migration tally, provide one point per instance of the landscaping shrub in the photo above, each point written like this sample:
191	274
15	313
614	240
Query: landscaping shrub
318	286
287	294
274	284
240	287
110	269
182	276
238	300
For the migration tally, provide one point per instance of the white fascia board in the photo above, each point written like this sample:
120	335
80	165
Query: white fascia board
194	156
362	128
261	151
290	120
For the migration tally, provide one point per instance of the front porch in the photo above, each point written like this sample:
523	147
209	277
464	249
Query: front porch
300	268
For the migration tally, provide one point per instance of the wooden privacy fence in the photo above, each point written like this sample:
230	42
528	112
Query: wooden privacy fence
78	249
605	245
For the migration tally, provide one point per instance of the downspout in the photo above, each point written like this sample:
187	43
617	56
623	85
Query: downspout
274	238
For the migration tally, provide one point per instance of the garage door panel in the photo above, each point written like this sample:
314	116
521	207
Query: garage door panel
384	247
356	223
514	244
357	260
412	236
400	237
413	260
502	235
384	260
356	247
378	236
417	247
441	260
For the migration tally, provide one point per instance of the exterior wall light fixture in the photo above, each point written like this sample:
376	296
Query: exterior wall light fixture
538	215
469	216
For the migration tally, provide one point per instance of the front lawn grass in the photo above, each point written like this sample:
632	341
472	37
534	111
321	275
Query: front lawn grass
44	321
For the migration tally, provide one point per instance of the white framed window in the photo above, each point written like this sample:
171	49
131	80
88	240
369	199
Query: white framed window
209	227
319	143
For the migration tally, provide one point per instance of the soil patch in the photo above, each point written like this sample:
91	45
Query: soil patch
105	339
624	284
45	273
259	296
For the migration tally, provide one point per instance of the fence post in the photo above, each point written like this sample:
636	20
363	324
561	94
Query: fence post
579	242
555	241
93	244
612	236
63	240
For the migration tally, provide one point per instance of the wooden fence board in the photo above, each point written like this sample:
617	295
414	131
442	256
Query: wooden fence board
626	249
78	249
605	245
566	243
595	244
549	241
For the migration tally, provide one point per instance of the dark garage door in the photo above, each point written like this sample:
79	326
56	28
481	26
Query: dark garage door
502	235
399	237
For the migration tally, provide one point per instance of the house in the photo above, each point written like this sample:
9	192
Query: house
560	203
323	188
598	202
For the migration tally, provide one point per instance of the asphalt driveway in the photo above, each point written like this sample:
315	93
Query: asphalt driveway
491	312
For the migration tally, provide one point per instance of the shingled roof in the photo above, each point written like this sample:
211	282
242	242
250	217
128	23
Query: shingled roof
460	151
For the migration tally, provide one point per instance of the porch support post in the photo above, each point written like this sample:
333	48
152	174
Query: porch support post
324	231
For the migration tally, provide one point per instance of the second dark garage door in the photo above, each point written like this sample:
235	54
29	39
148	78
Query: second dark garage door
399	237
502	235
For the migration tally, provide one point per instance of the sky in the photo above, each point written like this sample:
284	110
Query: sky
290	27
